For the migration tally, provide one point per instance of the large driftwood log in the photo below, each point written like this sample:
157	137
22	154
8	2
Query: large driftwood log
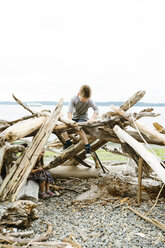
74	171
117	184
29	191
19	214
22	129
150	158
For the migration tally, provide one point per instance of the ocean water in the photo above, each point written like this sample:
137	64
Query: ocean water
13	112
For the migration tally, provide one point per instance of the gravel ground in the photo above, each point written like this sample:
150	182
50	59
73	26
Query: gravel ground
99	223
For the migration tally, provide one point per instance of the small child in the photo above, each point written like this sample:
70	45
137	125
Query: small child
78	111
42	177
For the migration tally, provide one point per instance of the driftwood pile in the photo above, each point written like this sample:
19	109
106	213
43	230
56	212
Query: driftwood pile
112	126
18	158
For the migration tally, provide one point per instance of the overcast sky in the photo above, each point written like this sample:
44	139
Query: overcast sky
49	48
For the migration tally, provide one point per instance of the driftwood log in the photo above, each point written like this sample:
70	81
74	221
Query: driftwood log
116	184
18	214
29	191
150	158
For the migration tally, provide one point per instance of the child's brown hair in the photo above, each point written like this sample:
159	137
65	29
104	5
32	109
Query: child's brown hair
85	91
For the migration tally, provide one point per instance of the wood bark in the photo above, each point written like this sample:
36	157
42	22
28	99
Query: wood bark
114	184
140	169
8	156
18	214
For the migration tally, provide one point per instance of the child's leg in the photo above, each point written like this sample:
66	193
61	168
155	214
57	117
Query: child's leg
47	186
68	142
42	186
85	140
65	136
42	189
48	190
83	136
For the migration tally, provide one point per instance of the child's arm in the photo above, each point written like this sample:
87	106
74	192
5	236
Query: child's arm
69	116
35	170
93	117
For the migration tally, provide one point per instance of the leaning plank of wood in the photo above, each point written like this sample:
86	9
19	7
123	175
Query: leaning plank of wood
150	158
129	103
133	100
68	154
30	157
29	191
22	129
148	132
94	146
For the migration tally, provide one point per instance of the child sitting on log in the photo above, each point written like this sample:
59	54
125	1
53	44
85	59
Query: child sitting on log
42	177
78	112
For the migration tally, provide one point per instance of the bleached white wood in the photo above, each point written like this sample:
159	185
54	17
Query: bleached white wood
22	128
29	191
153	161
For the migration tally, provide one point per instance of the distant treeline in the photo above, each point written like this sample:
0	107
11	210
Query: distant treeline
97	103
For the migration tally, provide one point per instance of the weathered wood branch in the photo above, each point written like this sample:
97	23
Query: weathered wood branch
128	104
150	158
19	102
40	238
22	129
115	151
133	100
67	154
148	132
153	221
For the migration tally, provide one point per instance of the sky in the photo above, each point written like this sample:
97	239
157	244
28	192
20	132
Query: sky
49	48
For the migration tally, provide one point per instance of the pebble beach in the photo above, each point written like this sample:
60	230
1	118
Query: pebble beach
99	223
